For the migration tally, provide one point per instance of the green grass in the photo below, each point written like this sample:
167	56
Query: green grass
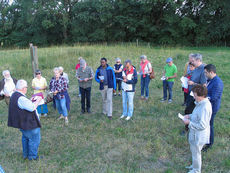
150	142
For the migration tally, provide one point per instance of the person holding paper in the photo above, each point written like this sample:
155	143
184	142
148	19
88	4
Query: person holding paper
105	76
84	75
199	127
22	115
39	85
59	87
170	73
128	89
118	67
145	71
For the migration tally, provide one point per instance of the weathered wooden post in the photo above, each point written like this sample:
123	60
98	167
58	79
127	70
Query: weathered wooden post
34	58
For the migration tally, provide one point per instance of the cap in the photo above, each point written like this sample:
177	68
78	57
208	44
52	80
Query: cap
169	59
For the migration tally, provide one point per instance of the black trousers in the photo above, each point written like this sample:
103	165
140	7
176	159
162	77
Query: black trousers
189	107
118	83
85	98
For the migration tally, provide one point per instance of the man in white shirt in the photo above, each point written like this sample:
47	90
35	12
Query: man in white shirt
7	86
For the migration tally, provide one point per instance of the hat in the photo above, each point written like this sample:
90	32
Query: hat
169	59
38	71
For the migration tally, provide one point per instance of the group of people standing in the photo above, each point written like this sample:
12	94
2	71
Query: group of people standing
202	98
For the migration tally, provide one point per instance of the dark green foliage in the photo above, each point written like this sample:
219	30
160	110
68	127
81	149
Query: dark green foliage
167	22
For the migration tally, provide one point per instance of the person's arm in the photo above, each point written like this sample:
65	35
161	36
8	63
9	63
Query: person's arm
216	92
171	77
149	68
96	76
114	80
25	103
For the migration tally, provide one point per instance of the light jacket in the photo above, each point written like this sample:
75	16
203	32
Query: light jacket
199	128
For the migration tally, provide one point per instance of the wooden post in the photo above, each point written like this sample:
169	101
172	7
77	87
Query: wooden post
34	58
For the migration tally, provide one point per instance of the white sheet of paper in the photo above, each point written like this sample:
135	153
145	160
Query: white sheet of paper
181	116
191	94
184	82
163	78
101	77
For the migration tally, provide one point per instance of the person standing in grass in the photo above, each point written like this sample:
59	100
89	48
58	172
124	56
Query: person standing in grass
187	72
170	73
58	86
39	85
63	74
199	127
215	89
22	115
118	73
128	89
145	71
84	75
198	77
7	86
76	68
105	76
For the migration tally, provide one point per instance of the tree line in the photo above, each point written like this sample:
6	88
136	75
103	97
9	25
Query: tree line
162	22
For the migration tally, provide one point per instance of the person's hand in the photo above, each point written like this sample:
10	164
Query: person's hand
101	81
7	95
186	121
55	92
190	82
124	80
187	116
86	79
166	78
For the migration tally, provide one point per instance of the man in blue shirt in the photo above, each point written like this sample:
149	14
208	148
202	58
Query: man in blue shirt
22	115
215	89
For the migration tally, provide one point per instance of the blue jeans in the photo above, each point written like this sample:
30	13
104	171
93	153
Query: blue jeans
145	85
127	98
167	85
61	106
212	129
42	109
30	143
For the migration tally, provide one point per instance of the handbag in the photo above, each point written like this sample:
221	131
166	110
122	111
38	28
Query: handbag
49	97
152	74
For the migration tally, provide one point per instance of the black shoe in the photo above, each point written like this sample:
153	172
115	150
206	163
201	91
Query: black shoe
89	111
206	147
82	111
110	117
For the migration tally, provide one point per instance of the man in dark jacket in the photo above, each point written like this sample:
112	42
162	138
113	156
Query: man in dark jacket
7	86
22	115
215	89
105	76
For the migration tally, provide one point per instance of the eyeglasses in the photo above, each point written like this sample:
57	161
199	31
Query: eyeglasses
38	73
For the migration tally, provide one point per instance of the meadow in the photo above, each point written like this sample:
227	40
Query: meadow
149	142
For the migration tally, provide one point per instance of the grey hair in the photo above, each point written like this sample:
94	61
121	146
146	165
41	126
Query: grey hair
191	55
118	59
80	58
61	68
198	56
143	57
82	62
56	69
5	72
128	61
21	84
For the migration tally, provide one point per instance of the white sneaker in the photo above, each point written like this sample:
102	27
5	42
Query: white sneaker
45	115
123	116
128	118
189	167
61	117
66	121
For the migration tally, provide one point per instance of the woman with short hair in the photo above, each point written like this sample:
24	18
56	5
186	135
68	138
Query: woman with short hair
58	86
145	71
199	128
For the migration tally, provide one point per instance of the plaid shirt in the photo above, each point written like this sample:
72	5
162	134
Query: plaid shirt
59	85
